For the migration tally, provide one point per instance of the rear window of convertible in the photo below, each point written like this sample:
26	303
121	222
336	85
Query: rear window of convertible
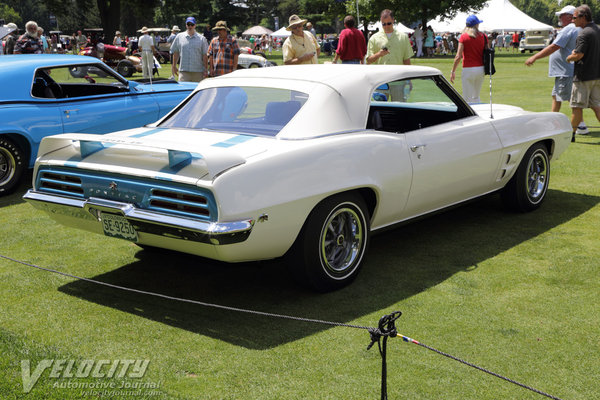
254	110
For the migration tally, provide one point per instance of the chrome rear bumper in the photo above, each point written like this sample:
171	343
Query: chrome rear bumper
145	221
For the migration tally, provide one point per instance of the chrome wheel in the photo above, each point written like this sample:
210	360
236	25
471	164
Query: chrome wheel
11	165
341	241
7	166
527	188
331	246
537	170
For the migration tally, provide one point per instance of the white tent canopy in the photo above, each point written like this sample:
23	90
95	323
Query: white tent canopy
497	15
281	33
373	26
257	30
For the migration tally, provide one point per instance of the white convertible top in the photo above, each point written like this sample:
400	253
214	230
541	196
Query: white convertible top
339	95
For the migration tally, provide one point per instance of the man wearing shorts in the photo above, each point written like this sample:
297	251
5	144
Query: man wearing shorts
559	68
586	55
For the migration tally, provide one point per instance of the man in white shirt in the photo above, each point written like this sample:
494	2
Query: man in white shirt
146	45
418	35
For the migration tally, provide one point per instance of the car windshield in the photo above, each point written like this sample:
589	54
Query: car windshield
240	109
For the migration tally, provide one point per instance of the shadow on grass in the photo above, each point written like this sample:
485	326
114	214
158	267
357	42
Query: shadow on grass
16	197
400	264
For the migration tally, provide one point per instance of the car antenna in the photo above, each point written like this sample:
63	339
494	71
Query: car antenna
491	112
152	72
491	60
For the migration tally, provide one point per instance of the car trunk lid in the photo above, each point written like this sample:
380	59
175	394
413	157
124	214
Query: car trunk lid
170	154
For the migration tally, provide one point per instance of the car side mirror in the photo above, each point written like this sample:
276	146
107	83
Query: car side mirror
379	97
133	86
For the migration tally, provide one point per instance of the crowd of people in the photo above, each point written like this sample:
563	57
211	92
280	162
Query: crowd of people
574	52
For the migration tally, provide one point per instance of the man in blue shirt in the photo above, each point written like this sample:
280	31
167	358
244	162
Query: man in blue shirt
191	48
558	66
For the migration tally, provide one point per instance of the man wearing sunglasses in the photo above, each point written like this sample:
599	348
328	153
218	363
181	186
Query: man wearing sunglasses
586	56
389	46
190	48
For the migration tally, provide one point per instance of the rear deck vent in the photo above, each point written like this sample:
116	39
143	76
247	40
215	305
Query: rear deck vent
186	204
60	183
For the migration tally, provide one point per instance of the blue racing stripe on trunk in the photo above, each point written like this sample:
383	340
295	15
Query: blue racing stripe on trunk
147	133
233	141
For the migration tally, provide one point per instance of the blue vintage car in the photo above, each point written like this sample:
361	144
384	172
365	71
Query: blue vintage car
49	94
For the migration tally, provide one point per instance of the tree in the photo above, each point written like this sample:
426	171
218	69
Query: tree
8	14
409	11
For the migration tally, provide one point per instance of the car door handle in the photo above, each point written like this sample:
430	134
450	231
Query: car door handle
68	112
416	147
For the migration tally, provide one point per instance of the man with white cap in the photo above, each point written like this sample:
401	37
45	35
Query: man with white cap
11	39
559	68
146	45
301	46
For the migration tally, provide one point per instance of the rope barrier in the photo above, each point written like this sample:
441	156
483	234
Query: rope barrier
409	340
385	329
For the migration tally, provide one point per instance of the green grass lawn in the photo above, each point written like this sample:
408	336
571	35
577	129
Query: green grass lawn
515	293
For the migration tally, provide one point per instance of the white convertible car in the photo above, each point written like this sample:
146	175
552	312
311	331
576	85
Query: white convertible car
303	161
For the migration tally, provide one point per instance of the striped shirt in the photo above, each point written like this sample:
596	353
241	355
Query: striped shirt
191	50
221	54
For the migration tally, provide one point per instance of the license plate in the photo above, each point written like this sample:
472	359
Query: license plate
118	226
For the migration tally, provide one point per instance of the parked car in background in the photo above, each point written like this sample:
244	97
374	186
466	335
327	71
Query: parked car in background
115	57
48	94
251	59
301	161
535	40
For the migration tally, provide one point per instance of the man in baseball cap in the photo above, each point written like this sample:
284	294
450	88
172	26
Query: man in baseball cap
191	49
561	70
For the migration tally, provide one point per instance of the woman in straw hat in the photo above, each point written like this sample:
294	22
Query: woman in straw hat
117	40
301	47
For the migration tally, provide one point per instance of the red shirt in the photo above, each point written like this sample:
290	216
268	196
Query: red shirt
472	50
352	45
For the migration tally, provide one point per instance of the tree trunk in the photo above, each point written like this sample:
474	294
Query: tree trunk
110	17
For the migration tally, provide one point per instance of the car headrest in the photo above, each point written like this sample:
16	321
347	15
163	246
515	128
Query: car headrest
235	104
280	112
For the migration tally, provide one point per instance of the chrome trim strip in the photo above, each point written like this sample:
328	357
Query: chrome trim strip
144	220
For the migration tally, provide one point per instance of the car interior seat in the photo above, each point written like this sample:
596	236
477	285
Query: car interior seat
39	88
280	112
376	122
235	104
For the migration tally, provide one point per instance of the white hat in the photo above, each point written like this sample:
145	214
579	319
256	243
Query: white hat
175	29
144	30
566	10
